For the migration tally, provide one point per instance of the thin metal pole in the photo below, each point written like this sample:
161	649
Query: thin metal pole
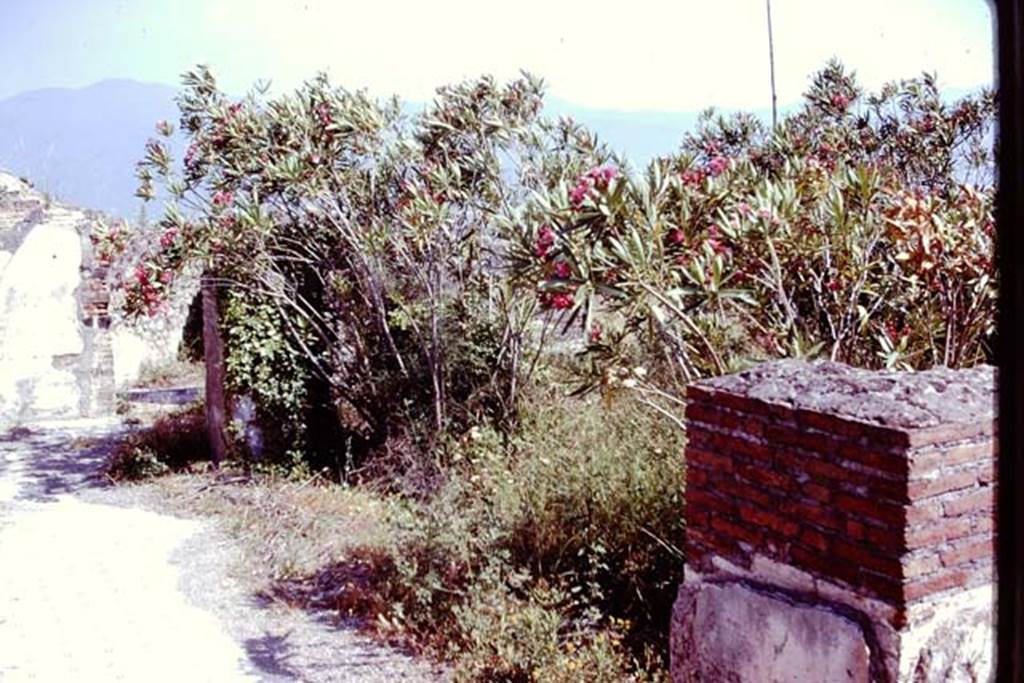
771	62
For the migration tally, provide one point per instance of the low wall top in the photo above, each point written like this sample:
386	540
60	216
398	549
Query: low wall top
882	482
899	400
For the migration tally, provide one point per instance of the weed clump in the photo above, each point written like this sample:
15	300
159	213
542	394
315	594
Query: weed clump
172	443
553	557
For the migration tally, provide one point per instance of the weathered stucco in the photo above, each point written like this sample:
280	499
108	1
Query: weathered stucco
58	341
41	339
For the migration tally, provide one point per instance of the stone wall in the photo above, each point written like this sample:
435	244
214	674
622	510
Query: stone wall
859	499
57	336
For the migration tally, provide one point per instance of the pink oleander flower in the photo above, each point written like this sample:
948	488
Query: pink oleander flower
595	333
222	199
562	270
578	194
323	112
676	236
556	300
545	240
840	101
692	177
168	238
716	241
581	191
717	165
601	176
718	246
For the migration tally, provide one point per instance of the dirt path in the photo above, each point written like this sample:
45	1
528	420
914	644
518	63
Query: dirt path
92	589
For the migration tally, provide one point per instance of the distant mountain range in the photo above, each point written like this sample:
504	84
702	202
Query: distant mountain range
81	145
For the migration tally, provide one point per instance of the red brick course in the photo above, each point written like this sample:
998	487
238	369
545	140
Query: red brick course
897	513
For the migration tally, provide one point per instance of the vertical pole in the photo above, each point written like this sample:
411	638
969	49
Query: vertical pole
771	63
213	354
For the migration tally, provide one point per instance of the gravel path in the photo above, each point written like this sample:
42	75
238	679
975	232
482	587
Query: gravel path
95	589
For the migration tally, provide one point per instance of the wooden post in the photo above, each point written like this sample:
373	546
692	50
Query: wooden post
213	354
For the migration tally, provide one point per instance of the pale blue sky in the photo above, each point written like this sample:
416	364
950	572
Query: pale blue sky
668	55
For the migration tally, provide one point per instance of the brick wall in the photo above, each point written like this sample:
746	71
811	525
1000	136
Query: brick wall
882	483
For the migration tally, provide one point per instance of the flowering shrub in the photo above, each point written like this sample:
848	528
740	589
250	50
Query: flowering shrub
366	237
859	229
108	241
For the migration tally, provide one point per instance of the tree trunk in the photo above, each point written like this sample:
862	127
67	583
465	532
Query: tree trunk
213	354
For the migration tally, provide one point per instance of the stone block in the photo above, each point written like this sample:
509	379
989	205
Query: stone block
732	632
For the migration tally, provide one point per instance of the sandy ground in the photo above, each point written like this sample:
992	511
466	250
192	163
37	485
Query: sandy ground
95	588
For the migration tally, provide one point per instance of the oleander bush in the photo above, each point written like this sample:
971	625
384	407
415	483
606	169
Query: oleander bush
860	229
400	265
362	243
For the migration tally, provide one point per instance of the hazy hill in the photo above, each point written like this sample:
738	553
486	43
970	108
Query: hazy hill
641	135
81	145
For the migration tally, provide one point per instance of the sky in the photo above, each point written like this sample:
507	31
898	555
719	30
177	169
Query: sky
653	55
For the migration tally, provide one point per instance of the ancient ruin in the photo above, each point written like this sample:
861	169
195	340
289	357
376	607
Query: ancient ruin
62	353
839	526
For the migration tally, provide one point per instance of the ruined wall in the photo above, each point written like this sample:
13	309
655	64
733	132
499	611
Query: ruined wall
843	516
57	338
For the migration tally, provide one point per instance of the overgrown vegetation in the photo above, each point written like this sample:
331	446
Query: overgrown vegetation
410	300
171	443
860	229
552	558
533	549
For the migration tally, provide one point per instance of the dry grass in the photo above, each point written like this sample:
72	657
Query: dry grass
289	530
